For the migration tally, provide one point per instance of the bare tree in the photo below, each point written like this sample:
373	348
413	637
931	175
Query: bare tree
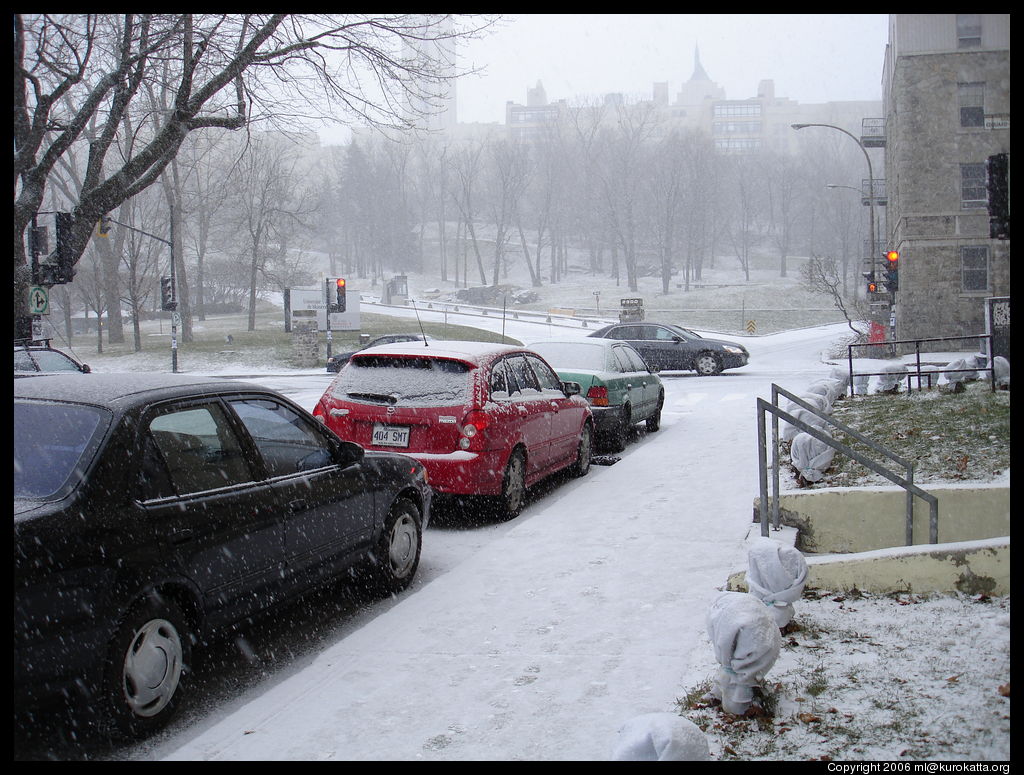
822	275
466	165
267	201
620	170
222	70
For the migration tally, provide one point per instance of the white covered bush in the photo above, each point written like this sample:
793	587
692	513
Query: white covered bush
788	432
811	457
661	737
1001	367
954	371
746	642
893	374
776	574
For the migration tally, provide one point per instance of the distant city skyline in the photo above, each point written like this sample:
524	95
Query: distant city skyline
810	57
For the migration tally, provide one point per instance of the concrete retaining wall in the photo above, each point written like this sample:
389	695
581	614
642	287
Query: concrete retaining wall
853	538
860	519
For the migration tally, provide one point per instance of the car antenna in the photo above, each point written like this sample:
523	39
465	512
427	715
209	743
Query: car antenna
419	322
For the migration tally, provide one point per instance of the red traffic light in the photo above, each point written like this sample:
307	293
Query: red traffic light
893	257
872	288
340	282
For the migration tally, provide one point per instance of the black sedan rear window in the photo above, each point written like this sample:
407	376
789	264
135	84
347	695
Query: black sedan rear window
383	379
53	445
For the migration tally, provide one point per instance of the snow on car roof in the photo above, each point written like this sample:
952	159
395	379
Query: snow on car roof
106	387
471	352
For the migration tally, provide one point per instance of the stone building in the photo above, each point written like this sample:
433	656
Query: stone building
946	98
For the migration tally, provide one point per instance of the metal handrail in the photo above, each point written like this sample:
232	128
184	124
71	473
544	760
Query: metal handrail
917	349
907	483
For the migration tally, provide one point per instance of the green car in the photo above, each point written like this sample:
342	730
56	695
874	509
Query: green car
620	387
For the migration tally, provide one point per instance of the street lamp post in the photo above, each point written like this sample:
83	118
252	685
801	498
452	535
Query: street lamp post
871	183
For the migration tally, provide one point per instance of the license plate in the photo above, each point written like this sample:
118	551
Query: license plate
390	435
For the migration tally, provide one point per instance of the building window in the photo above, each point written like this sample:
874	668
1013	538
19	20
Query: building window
971	97
737	144
734	109
736	127
973	188
968	30
974	268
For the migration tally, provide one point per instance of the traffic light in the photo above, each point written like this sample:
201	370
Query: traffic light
892	273
998	168
103	227
339	290
872	286
167	302
64	261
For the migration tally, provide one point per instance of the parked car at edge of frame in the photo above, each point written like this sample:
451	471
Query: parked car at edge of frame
485	419
621	389
36	356
153	510
669	347
335	362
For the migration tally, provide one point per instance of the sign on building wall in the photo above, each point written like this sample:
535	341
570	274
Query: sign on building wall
316	299
998	323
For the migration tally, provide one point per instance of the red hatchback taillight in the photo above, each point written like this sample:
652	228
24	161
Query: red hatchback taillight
472	429
598	396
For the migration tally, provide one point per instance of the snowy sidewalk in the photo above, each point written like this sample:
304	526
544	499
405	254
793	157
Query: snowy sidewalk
543	644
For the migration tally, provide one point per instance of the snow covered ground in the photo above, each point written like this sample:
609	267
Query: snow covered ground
588	611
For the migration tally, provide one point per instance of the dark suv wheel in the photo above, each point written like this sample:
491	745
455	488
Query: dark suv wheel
708	364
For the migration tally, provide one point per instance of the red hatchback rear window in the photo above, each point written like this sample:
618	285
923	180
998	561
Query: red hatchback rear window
405	381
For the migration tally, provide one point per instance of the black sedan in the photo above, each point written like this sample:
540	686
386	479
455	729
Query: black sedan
152	510
335	362
668	347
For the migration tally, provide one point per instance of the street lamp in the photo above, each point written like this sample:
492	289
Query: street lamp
871	181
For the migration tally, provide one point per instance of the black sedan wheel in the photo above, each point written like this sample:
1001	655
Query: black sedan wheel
400	545
147	667
708	364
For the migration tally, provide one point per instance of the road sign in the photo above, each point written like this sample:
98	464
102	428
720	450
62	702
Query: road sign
751	326
38	301
176	318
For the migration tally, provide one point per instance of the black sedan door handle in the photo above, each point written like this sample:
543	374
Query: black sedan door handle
181	536
298	505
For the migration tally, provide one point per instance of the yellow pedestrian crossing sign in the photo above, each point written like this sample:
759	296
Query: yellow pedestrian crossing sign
38	300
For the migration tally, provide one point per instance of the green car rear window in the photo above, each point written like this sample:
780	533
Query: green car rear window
572	355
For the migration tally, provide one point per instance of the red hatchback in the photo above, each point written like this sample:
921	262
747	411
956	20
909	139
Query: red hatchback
484	419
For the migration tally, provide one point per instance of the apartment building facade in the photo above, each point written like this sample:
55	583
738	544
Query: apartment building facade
946	98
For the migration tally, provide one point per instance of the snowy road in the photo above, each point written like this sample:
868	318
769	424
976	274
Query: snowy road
537	639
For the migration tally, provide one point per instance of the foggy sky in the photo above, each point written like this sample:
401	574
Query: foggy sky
811	57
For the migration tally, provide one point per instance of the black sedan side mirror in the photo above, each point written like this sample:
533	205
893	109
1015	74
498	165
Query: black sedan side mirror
571	388
348	452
